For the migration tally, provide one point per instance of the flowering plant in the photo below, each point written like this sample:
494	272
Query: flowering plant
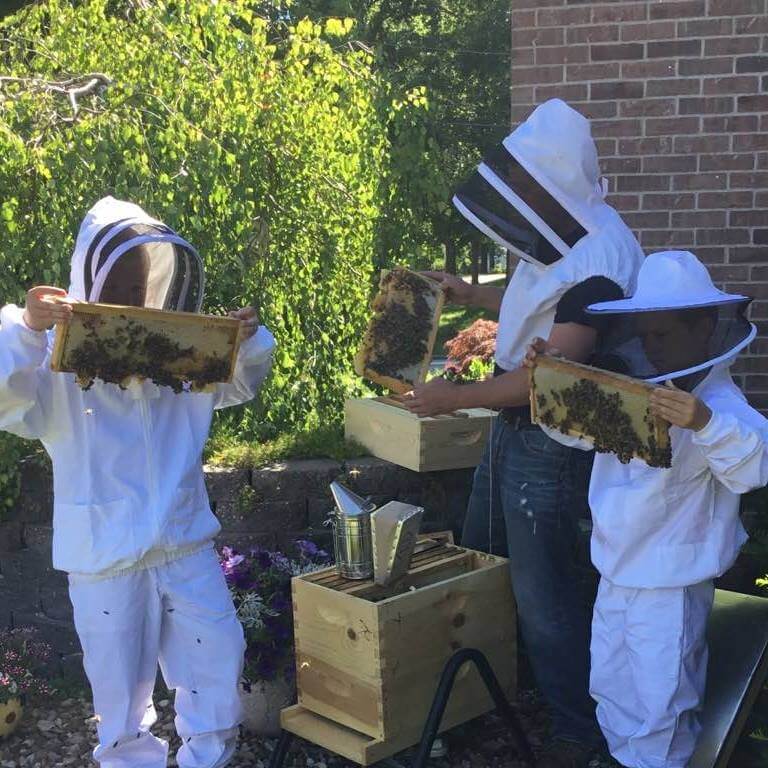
22	660
471	351
260	585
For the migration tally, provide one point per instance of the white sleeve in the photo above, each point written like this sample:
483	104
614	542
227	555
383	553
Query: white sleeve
736	448
582	443
24	381
254	361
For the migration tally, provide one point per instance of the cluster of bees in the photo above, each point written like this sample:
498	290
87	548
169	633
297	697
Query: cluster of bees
600	415
401	333
132	350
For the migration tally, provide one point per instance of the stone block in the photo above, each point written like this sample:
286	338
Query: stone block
40	539
35	504
293	480
11	536
225	490
369	475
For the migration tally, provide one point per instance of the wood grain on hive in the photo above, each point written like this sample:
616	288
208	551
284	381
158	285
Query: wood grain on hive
369	658
397	346
117	343
631	427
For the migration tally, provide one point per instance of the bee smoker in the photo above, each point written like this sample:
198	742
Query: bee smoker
352	543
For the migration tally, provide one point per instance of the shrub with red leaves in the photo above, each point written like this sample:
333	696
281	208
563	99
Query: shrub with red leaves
471	351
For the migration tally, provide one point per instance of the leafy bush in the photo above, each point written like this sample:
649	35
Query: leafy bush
471	352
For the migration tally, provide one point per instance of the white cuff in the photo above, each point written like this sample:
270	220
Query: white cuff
12	317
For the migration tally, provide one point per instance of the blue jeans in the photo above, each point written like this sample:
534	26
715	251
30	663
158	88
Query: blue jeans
528	495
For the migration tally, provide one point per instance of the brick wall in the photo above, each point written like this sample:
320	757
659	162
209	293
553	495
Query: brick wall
678	94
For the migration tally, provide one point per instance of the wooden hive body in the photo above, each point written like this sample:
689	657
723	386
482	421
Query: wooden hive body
369	658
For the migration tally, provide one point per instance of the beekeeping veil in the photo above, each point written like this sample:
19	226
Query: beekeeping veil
112	228
541	191
676	324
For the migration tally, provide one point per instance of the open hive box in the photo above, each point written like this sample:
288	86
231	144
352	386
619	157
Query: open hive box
391	432
369	658
115	343
397	346
610	409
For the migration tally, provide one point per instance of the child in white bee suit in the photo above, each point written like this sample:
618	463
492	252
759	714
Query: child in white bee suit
661	536
132	524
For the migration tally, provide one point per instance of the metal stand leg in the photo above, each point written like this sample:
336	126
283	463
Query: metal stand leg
281	750
440	702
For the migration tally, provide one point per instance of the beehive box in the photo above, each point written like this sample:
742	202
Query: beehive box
397	347
369	658
116	343
610	409
390	431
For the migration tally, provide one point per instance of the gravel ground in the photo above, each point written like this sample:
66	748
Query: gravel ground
62	733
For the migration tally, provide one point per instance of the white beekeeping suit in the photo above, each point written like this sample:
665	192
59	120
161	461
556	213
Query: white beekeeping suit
661	536
132	525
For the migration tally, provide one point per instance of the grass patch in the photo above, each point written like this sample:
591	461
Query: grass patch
321	443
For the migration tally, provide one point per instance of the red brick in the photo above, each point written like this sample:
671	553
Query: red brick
522	94
625	202
605	147
535	75
616	90
719	66
524	38
536	4
726	162
519	112
751	64
658	145
669	163
701	144
735	7
761	199
730	46
654	30
757	383
645	70
619	12
648	107
685	9
642	183
582	72
707	105
722	236
562	17
673	48
756	25
570	92
617	52
753	218
594	33
616	128
730	85
565	54
666	238
762	161
705	28
755	290
597	110
746	142
523	19
612	165
647	219
670	126
727	200
760	237
753	103
680	201
685	182
755	180
681	87
725	272
730	124
698	219
522	57
711	255
747	255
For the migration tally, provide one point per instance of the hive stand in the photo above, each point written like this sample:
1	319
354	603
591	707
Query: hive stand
439	703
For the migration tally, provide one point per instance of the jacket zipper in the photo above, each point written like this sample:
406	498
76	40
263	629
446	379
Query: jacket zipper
147	426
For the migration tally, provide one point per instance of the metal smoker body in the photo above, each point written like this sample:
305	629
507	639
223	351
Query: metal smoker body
352	542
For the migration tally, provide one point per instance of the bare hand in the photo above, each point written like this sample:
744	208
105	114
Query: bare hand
434	397
456	290
680	408
249	321
47	306
539	347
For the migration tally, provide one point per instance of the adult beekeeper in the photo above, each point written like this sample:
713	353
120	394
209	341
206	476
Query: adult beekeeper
661	536
540	196
132	524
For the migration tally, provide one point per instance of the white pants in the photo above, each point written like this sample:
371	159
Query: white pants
649	663
181	615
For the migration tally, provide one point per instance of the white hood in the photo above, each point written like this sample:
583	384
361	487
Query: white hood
176	277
